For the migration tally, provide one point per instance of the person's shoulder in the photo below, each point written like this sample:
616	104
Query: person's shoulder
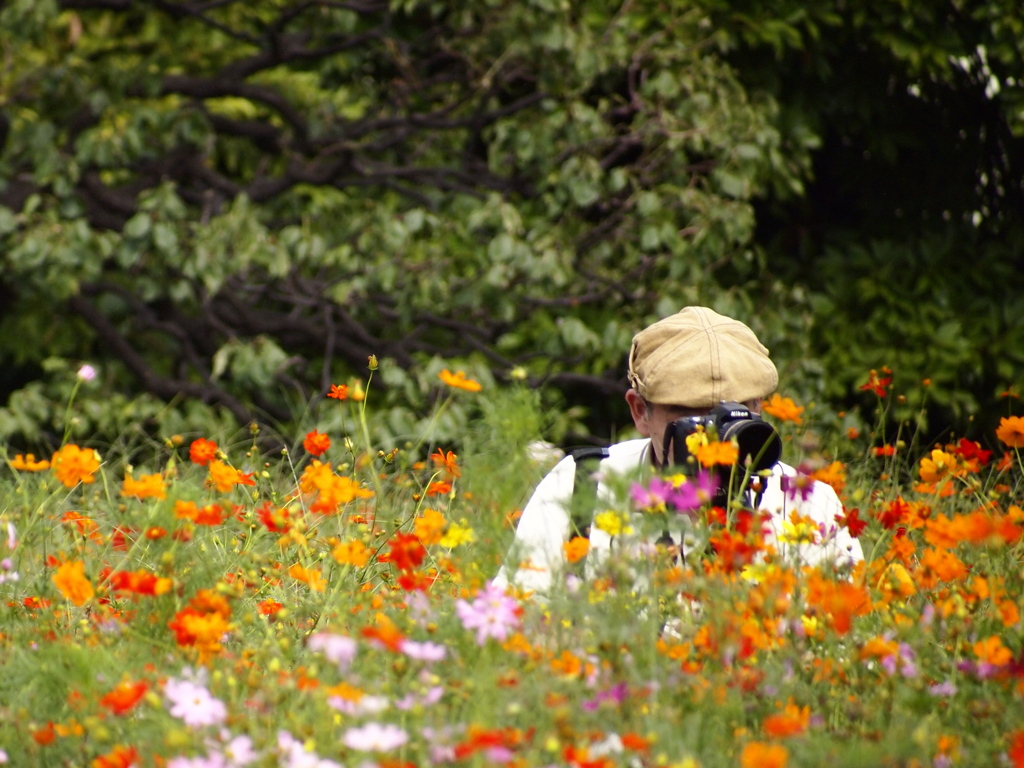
628	453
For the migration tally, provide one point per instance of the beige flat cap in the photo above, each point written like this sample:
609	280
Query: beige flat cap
698	358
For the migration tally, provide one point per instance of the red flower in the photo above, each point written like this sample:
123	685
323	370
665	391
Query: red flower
851	520
316	443
968	450
877	384
415	582
406	551
338	392
202	451
275	519
125	696
893	513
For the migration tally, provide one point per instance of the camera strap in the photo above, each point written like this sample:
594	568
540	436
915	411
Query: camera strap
584	489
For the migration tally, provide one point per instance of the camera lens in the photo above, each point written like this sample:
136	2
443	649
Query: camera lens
757	440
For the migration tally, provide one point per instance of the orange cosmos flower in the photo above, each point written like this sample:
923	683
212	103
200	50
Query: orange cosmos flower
757	754
992	651
119	757
354	553
333	491
783	409
841	601
1011	431
125	696
447	462
316	443
146	487
717	453
338	392
939	565
834	474
85	525
209	514
199	629
72	583
384	634
28	463
458	380
73	465
576	549
311	577
439	488
429	526
202	451
791	721
224	477
269	607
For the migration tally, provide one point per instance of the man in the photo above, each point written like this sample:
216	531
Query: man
683	365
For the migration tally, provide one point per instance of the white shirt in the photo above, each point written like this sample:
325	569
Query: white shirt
544	525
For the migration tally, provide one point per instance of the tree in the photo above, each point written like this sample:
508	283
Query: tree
910	239
237	202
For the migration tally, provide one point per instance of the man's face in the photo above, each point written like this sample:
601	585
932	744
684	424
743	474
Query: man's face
652	420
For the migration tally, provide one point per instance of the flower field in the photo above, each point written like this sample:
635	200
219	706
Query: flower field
332	605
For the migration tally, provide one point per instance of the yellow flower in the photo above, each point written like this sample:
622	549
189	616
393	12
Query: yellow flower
456	535
798	530
938	466
72	583
696	440
458	380
783	409
612	523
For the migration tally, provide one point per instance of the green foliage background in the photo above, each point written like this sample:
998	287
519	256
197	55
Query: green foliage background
227	206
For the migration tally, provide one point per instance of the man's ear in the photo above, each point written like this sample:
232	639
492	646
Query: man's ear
638	410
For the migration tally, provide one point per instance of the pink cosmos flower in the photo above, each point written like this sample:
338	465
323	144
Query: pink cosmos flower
338	649
194	704
365	705
492	613
428	698
295	755
375	737
426	651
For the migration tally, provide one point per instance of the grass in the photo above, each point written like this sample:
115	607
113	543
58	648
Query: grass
226	608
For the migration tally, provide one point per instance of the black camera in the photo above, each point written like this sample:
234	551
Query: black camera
758	442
